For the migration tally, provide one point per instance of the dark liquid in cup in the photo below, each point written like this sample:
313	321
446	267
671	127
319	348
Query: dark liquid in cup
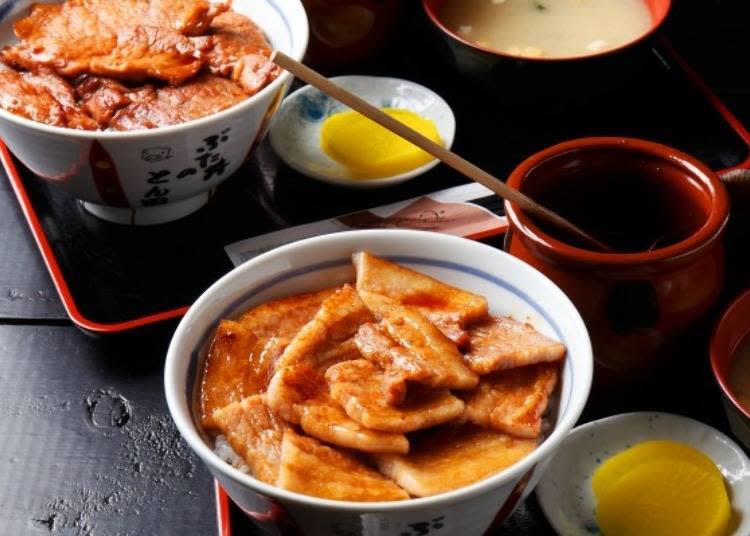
632	210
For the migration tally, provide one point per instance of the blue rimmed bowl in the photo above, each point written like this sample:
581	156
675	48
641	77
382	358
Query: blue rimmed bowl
511	287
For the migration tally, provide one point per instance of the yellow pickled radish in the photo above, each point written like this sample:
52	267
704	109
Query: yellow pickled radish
618	465
665	497
371	151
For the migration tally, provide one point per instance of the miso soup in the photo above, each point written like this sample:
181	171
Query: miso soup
547	28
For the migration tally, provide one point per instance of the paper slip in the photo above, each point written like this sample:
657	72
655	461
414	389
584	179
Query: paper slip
446	211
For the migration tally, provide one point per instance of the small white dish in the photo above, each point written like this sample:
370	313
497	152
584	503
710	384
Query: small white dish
295	133
565	493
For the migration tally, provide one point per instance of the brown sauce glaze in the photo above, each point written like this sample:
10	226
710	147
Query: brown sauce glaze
134	64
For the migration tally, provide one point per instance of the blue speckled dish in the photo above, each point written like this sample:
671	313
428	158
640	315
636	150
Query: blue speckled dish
565	494
295	133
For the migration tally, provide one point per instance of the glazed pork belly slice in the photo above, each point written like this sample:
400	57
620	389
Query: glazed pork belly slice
255	433
123	39
298	390
452	456
159	107
188	17
358	387
282	319
311	468
42	97
299	394
241	52
101	97
500	343
513	401
448	307
279	456
336	321
458	335
234	36
400	364
243	352
410	348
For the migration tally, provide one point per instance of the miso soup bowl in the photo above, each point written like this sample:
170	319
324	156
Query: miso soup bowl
733	326
157	175
511	287
491	64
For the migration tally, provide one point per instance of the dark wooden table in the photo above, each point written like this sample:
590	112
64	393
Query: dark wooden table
86	443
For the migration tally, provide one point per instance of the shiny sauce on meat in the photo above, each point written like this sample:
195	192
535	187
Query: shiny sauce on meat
132	64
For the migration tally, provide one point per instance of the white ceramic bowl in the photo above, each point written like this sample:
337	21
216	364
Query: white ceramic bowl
565	493
295	132
110	171
510	286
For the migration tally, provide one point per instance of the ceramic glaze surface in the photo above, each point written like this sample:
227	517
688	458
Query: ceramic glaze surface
633	302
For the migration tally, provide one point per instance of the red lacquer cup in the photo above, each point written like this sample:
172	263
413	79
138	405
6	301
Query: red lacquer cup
632	303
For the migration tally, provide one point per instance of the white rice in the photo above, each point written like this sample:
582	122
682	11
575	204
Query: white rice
224	450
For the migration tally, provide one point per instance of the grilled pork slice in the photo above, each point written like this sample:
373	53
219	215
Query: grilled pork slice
240	51
255	433
500	343
458	335
298	390
405	343
43	97
128	39
453	456
124	39
442	304
399	363
311	468
188	17
299	394
358	387
102	97
513	401
153	107
243	352
335	322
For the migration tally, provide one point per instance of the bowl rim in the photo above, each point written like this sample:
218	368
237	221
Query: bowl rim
703	237
289	10
719	354
188	428
430	8
379	182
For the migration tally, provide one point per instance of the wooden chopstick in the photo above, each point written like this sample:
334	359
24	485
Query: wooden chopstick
446	156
